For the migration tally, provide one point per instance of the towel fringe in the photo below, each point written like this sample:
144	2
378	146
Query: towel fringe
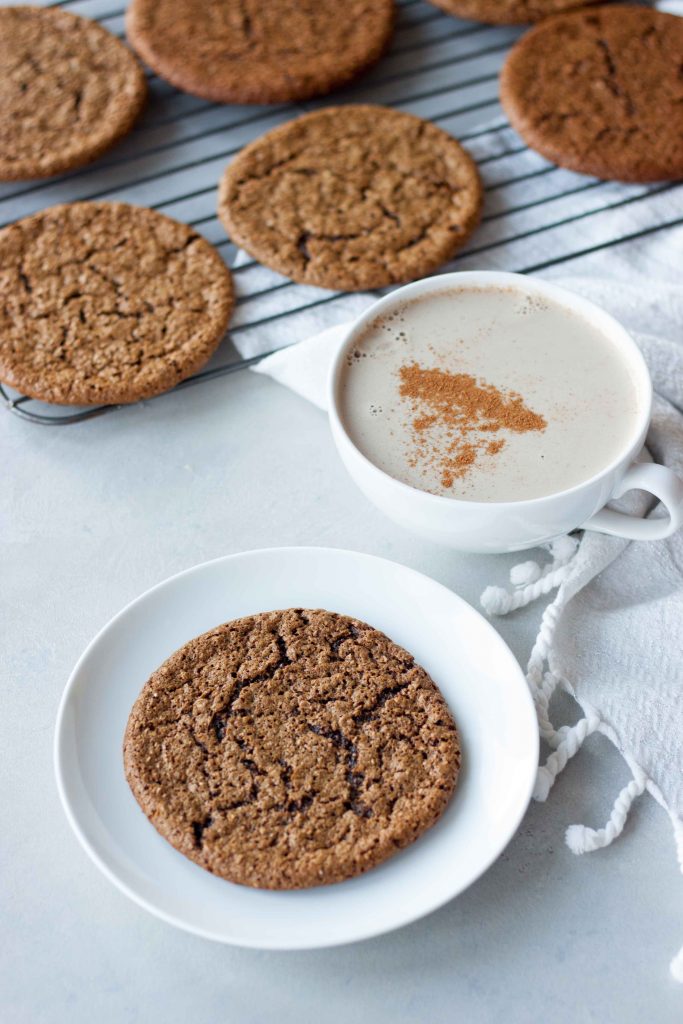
581	839
572	740
531	582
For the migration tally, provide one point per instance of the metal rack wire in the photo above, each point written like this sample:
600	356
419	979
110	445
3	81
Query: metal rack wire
438	67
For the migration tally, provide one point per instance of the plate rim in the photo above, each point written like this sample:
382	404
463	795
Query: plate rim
372	931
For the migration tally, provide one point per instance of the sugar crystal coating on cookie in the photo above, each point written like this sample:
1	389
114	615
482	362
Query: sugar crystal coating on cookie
291	749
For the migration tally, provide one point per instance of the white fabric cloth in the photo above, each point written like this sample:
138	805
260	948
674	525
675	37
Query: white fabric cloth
613	635
304	367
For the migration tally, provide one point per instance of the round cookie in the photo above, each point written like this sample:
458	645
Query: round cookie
68	91
508	12
247	51
291	749
600	91
107	303
352	198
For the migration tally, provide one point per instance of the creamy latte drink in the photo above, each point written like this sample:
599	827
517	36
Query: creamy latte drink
487	394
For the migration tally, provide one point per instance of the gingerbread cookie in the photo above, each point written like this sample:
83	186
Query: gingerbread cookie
352	198
107	303
291	749
68	91
241	51
508	12
601	91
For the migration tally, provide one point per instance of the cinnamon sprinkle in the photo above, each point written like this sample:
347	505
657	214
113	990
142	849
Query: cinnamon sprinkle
466	409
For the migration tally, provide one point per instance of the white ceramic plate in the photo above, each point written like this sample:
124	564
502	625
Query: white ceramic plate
475	670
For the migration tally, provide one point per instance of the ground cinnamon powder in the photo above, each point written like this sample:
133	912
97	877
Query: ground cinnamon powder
466	411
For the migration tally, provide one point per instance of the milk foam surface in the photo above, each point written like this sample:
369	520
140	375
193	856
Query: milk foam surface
564	368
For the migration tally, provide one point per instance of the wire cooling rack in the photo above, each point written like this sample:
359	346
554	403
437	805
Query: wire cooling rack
536	215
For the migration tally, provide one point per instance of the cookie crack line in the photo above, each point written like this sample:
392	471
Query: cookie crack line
421	236
199	828
247	26
612	77
306	236
354	779
203	764
383	696
219	722
352	634
301	806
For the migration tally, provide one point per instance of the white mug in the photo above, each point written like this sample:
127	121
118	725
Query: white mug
494	526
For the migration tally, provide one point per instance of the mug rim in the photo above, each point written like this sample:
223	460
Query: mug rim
493	279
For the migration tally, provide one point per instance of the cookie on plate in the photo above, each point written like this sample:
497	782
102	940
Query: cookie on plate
238	51
508	12
68	91
601	91
107	303
352	198
291	749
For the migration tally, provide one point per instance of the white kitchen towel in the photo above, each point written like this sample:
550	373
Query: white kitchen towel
613	635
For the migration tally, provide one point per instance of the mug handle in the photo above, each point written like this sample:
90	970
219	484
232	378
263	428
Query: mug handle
644	476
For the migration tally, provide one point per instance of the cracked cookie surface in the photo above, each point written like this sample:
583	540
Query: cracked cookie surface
601	91
68	91
508	12
106	302
248	51
352	198
291	749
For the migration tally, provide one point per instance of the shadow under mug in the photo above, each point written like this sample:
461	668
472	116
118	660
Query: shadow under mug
497	526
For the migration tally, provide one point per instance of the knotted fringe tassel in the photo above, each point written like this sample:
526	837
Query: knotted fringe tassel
569	741
581	839
530	581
